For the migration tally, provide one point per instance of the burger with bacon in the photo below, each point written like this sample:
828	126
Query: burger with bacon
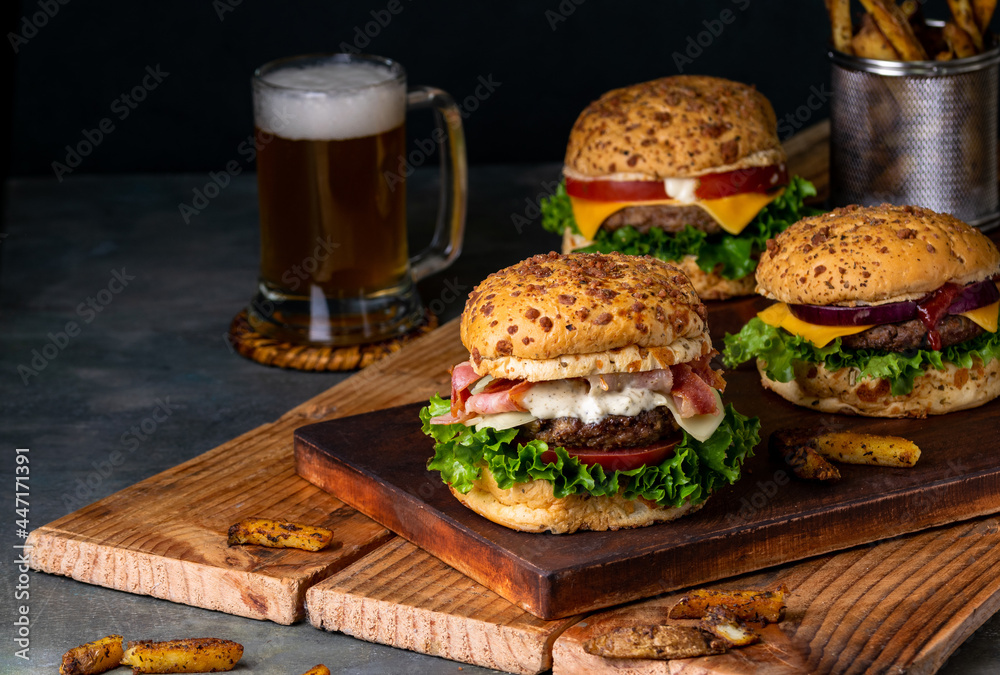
884	311
688	169
588	401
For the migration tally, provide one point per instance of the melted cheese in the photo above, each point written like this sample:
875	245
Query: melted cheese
732	213
985	317
779	316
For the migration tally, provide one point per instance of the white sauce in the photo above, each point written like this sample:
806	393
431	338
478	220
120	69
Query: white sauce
681	189
590	403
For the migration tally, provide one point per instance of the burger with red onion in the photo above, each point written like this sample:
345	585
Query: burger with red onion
588	401
884	311
688	169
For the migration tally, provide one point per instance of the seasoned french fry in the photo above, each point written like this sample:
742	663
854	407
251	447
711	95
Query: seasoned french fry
722	624
966	20
983	10
946	55
852	448
318	670
762	606
869	43
959	42
796	448
840	23
655	642
893	24
193	655
279	534
94	657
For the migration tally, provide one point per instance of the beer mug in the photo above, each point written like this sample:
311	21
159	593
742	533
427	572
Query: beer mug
331	169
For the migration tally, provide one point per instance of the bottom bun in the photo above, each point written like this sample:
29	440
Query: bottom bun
936	392
531	507
708	285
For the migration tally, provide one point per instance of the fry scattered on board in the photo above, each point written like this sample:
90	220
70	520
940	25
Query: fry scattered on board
852	448
722	624
655	642
318	670
758	606
797	448
193	655
900	33
93	658
279	534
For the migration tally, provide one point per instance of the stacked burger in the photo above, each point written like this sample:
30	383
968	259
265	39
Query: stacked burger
688	169
588	400
885	311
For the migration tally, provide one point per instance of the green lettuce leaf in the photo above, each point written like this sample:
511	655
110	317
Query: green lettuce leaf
779	350
695	470
735	254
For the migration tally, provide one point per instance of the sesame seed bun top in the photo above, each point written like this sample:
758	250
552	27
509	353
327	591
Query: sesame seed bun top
553	306
674	127
873	255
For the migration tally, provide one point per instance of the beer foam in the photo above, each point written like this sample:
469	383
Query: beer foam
330	101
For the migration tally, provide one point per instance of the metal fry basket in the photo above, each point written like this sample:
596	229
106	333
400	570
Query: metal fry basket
916	132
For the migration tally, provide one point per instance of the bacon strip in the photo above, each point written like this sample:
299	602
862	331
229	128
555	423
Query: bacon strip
462	376
499	396
692	395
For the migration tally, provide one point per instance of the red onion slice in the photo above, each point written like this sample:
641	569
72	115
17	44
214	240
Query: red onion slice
855	316
975	296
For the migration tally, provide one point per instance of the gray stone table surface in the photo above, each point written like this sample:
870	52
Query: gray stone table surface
151	296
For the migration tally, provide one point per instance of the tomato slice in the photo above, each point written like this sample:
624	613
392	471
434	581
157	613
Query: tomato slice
756	179
711	186
622	459
616	190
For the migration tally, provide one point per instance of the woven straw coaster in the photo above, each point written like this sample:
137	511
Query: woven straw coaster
270	352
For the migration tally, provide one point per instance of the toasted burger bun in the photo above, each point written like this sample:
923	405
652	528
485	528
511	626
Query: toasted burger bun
532	507
873	255
708	285
551	317
675	127
936	392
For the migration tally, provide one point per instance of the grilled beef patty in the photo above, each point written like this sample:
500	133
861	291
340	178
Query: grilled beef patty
672	219
614	431
907	335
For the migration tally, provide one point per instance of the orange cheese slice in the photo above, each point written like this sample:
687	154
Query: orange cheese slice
779	316
733	213
985	316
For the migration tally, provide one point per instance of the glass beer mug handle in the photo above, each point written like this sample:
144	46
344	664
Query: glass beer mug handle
447	241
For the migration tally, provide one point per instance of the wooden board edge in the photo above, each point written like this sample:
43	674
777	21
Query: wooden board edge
280	600
430	632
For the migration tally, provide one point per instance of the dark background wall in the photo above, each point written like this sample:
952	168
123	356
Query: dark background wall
546	59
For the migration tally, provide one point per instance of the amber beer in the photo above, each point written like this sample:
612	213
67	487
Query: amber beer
334	263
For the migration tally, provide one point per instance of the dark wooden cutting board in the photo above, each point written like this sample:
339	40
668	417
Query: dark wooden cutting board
375	463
